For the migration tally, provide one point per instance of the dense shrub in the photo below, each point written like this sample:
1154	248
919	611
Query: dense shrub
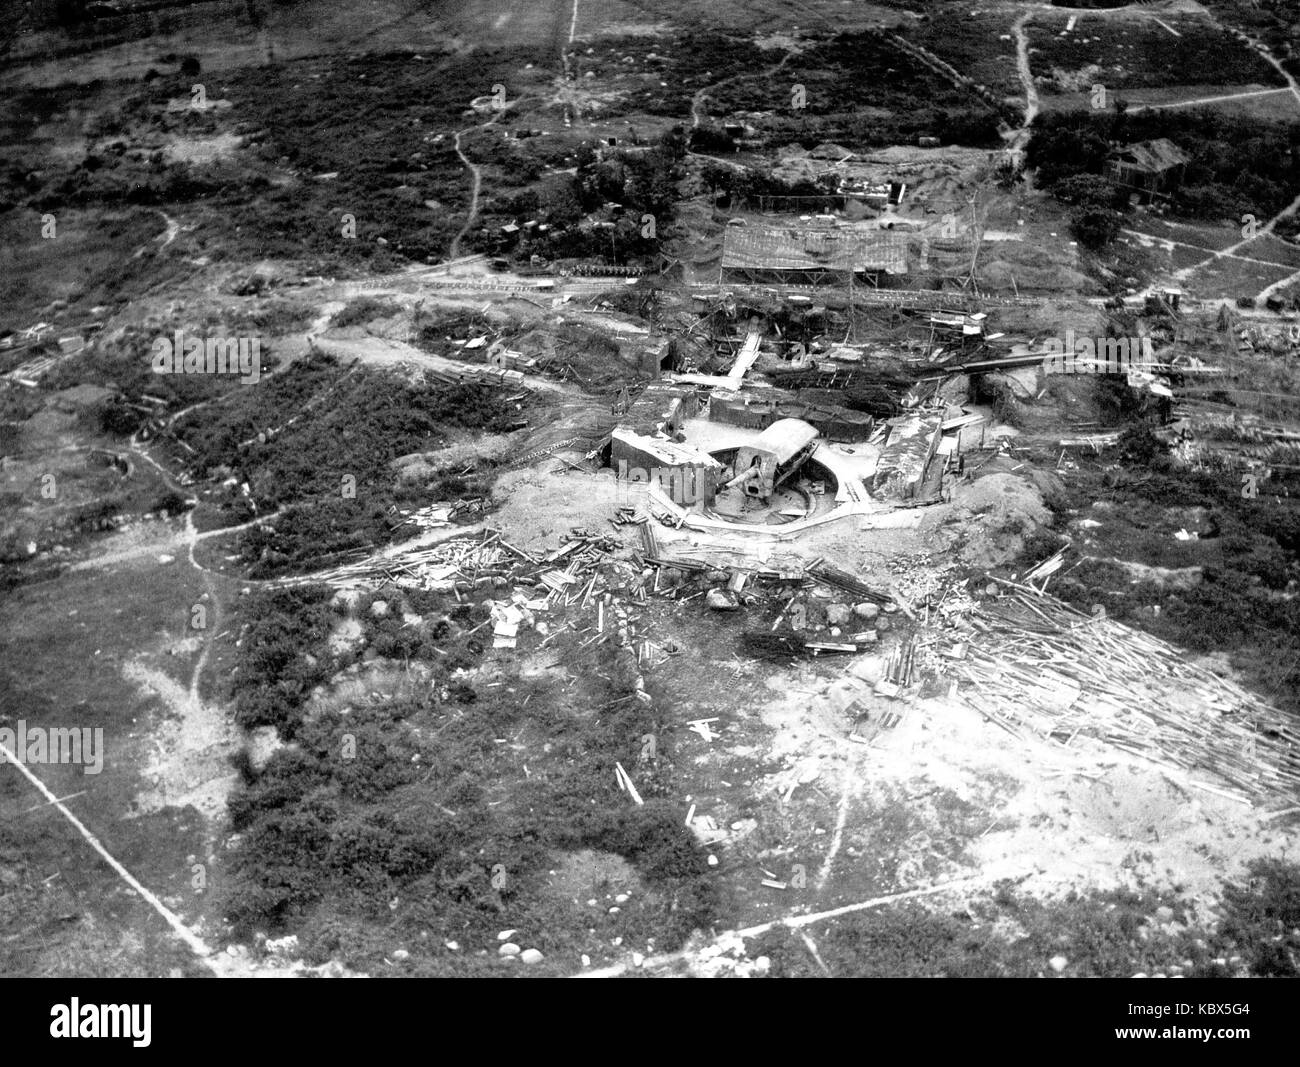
282	656
1261	919
363	310
1238	164
412	817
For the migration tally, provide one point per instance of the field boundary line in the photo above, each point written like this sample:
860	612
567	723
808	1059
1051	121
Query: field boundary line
191	939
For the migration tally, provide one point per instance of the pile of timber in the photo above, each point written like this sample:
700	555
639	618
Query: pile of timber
847	582
472	374
877	392
461	563
466	559
1039	668
581	555
784	644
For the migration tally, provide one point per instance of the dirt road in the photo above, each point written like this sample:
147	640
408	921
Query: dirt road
476	186
383	352
1018	139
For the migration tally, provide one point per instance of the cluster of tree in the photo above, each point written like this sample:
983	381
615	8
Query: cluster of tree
709	138
1238	165
746	184
641	181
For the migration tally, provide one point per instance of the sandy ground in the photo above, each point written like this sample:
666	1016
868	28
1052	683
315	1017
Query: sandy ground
190	744
1083	818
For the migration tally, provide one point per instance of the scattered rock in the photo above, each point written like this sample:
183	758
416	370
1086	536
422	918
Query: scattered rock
508	949
379	609
531	956
866	610
401	954
1058	963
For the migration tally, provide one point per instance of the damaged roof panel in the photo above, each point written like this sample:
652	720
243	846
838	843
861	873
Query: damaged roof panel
809	248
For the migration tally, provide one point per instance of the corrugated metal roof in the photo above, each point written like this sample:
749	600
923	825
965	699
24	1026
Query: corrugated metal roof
807	248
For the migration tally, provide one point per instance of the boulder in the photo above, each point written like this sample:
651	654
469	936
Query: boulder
722	600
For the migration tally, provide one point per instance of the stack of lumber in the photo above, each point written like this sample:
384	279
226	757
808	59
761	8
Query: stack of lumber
478	375
847	583
1037	667
464	558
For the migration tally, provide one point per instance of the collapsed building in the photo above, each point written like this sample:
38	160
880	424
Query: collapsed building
1151	169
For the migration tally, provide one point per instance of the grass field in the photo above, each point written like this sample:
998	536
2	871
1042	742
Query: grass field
972	41
1231	278
66	646
1130	54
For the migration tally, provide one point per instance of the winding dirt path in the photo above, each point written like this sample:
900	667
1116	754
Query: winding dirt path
1197	101
1017	139
453	250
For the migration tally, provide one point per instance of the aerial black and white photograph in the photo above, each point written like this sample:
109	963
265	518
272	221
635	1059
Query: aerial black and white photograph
651	489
